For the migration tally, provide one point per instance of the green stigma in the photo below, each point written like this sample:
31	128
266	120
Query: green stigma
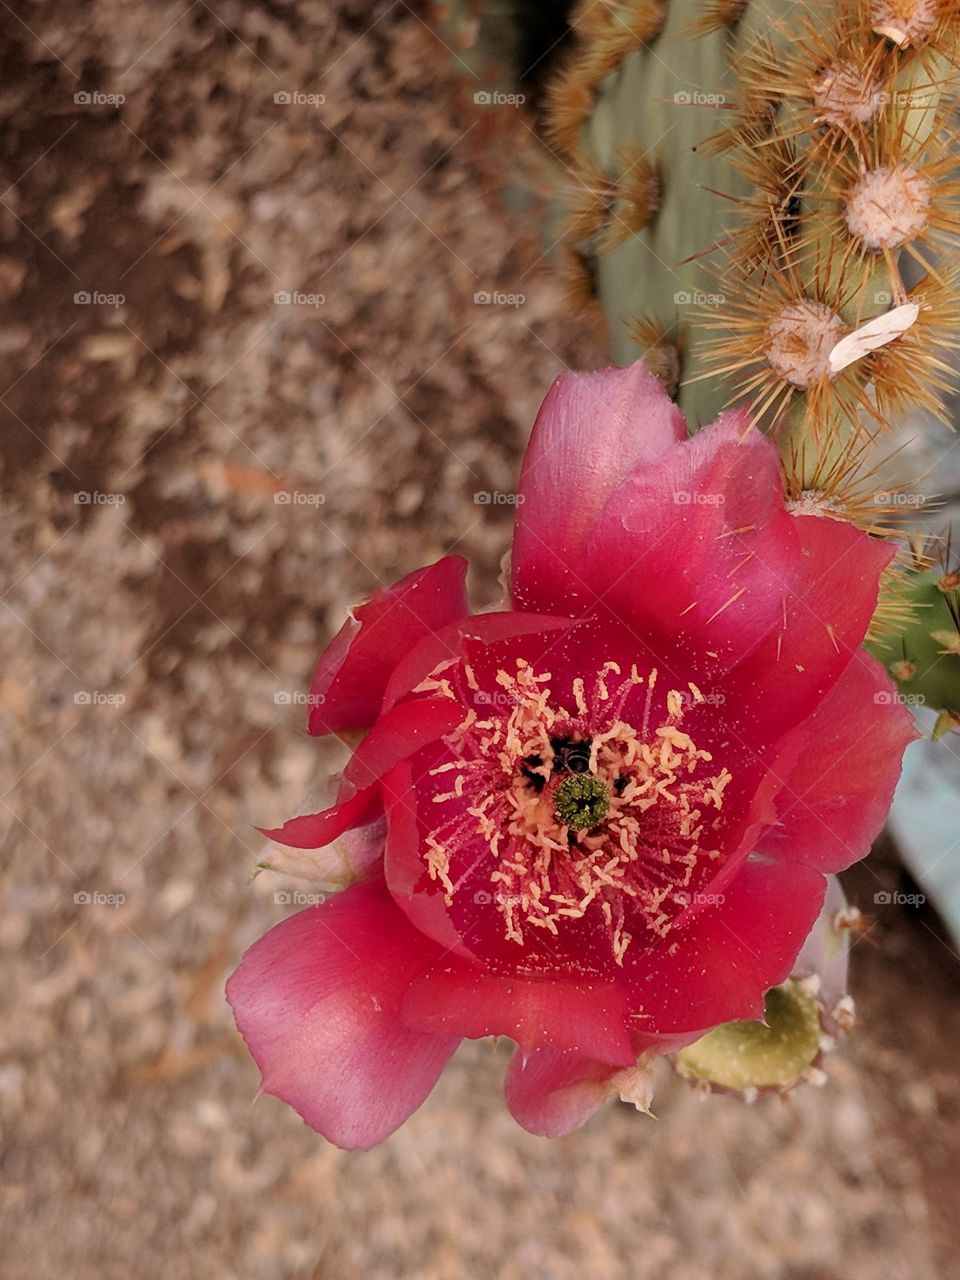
581	801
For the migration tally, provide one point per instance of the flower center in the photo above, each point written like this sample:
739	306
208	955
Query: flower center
581	801
603	807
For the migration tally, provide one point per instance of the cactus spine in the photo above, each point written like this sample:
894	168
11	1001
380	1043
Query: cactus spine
797	165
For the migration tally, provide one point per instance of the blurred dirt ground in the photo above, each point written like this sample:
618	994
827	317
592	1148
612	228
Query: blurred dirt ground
161	612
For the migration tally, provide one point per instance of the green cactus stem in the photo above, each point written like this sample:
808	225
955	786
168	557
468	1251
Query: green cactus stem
660	106
923	656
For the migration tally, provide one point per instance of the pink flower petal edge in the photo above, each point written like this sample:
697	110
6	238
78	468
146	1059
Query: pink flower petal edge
317	1000
347	689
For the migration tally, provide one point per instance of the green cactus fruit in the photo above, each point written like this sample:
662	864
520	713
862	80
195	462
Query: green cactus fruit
746	1057
801	1018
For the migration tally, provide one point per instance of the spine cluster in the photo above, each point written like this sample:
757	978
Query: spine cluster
818	147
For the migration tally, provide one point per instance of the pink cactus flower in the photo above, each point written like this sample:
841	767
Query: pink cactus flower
598	820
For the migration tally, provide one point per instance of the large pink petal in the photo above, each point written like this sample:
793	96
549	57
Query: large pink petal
781	679
592	430
696	549
717	967
353	671
588	1017
844	763
697	554
317	1000
551	1092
